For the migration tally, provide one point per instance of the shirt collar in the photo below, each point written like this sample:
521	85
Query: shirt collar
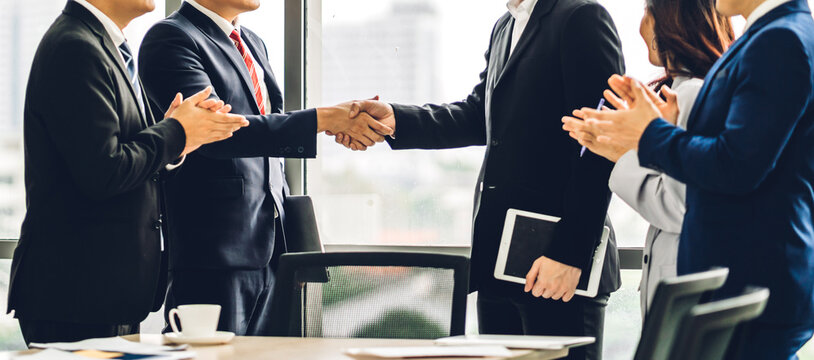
762	10
226	26
113	30
521	9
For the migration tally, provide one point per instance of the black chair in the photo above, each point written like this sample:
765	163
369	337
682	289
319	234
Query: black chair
673	299
402	295
707	330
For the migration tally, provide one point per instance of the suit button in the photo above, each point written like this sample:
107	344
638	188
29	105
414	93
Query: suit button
300	149
287	149
157	224
155	178
495	142
646	258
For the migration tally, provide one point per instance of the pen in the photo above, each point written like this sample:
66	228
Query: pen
598	108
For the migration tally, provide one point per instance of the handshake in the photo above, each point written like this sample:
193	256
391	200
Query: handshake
357	124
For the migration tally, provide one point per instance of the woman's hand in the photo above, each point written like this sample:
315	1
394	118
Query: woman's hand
586	136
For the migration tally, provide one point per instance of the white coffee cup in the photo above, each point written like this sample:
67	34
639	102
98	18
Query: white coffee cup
199	320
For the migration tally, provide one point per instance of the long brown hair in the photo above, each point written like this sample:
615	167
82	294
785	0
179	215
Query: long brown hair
690	35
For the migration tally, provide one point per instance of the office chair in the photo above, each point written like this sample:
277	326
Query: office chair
707	330
672	300
402	295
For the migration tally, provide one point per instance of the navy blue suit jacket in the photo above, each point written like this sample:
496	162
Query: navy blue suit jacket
747	158
221	201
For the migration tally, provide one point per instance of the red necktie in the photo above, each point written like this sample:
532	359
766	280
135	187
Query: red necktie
258	94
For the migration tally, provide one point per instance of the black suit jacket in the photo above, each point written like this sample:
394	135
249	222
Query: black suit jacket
89	248
562	62
221	202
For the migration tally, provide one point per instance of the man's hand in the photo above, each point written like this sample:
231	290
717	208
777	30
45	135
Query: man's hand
361	127
204	121
623	128
380	111
586	136
552	280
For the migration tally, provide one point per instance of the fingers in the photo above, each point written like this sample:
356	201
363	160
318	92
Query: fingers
225	109
227	118
639	93
532	275
355	110
669	94
539	288
358	146
211	104
614	100
568	295
200	96
176	102
380	128
655	98
621	86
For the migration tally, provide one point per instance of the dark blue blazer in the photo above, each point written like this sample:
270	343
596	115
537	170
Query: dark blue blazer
221	201
747	158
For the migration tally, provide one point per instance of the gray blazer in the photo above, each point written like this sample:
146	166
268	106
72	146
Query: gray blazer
659	199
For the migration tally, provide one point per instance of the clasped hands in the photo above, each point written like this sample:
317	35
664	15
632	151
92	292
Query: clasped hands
612	133
371	121
204	120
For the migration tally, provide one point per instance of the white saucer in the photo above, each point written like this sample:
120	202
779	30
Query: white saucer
220	337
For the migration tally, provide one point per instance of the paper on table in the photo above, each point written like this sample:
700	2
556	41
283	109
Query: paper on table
428	352
51	354
518	341
118	344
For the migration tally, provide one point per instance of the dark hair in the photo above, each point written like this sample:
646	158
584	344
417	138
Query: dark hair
690	35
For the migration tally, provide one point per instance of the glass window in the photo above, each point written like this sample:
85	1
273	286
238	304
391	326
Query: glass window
416	52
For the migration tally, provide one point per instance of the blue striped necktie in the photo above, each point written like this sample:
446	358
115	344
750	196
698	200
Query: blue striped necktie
130	64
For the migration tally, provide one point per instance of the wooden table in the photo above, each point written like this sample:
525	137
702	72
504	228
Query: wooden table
285	348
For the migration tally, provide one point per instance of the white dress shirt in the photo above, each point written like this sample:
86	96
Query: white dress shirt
113	30
227	28
521	12
762	10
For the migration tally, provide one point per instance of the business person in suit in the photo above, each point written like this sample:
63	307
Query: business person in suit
544	57
747	158
89	258
226	206
685	38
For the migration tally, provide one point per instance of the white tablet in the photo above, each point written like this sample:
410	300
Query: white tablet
526	236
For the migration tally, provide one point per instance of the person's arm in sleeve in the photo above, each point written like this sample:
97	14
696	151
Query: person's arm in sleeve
169	63
85	128
591	52
766	106
654	195
452	125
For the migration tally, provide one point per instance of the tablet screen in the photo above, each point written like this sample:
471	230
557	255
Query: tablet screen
530	238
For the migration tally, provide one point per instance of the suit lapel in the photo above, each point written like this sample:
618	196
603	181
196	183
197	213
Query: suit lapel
500	53
216	35
541	9
79	11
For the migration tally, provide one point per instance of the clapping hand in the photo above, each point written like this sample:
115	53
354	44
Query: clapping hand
611	133
204	120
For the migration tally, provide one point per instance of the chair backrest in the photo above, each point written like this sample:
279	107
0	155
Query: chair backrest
674	297
706	331
408	295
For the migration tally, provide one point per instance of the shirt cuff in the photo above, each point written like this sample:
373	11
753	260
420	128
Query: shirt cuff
171	167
